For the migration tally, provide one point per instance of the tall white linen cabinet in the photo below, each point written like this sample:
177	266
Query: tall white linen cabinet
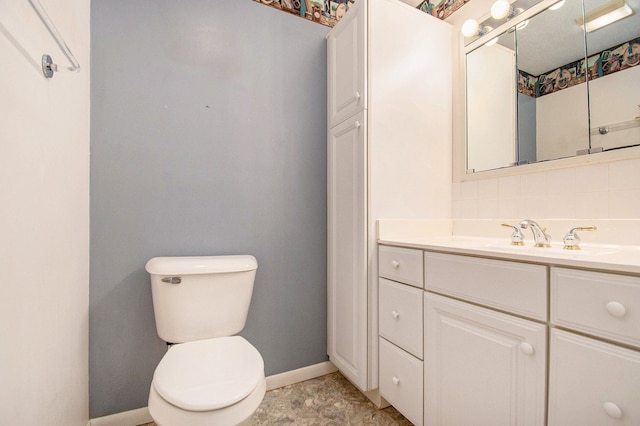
389	157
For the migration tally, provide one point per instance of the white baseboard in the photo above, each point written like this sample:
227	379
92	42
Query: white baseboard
135	417
142	416
300	375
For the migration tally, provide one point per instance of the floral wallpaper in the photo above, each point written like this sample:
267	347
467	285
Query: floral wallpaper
328	12
609	61
325	12
441	8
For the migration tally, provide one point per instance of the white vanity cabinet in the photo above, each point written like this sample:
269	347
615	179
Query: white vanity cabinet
389	139
593	382
484	367
532	341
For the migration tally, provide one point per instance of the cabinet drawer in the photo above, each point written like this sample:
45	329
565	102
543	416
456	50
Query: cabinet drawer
605	305
511	286
591	382
401	381
400	315
401	264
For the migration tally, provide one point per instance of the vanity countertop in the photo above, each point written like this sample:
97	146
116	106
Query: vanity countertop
614	258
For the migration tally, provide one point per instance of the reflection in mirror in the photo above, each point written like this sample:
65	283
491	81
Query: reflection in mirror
553	113
491	105
614	77
547	116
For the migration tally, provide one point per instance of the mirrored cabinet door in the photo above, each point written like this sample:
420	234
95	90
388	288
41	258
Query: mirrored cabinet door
614	75
554	85
553	113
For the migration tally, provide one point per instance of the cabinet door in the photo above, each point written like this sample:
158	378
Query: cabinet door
347	249
482	367
346	58
591	382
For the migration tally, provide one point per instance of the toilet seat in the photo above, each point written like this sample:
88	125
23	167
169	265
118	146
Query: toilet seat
209	374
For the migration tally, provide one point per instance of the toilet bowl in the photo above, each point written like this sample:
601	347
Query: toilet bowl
216	381
209	375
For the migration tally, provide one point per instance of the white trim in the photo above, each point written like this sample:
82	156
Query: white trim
126	418
300	375
142	416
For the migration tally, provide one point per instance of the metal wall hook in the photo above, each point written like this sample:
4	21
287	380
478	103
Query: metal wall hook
48	67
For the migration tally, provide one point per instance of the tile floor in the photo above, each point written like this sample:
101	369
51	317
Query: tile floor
327	400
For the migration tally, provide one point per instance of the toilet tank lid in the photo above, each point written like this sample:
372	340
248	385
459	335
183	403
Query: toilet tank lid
186	265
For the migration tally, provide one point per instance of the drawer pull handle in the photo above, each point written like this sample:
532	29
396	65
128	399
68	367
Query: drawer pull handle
612	410
395	314
396	381
616	309
395	264
526	348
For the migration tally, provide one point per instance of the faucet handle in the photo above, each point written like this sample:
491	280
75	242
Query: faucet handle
572	240
517	239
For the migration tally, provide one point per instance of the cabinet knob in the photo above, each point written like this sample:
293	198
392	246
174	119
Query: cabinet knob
395	314
526	348
395	264
396	381
357	124
612	410
616	309
357	95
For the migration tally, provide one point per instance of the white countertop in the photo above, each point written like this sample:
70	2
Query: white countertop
613	258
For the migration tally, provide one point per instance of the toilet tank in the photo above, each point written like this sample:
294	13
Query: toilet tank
201	297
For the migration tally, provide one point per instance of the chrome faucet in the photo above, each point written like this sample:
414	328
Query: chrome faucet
572	240
541	238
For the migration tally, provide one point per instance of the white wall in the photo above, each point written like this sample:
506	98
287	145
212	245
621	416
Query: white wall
44	219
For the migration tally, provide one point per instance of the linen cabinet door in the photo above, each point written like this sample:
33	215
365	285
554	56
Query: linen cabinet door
482	367
346	49
347	248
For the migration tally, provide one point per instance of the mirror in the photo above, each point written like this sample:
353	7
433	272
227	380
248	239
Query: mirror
614	80
532	91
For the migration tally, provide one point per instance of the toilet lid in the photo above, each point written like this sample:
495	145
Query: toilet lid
209	374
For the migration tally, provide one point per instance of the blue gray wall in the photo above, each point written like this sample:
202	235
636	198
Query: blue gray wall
527	128
207	137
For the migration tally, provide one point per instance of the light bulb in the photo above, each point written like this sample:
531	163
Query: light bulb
500	9
470	28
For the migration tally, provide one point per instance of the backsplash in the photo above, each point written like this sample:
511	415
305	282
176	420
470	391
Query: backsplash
596	191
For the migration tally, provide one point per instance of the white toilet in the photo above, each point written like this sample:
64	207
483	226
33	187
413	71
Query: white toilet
209	377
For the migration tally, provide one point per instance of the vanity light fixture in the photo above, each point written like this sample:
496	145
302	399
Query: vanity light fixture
471	28
502	9
604	15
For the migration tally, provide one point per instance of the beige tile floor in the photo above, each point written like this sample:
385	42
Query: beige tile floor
327	400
